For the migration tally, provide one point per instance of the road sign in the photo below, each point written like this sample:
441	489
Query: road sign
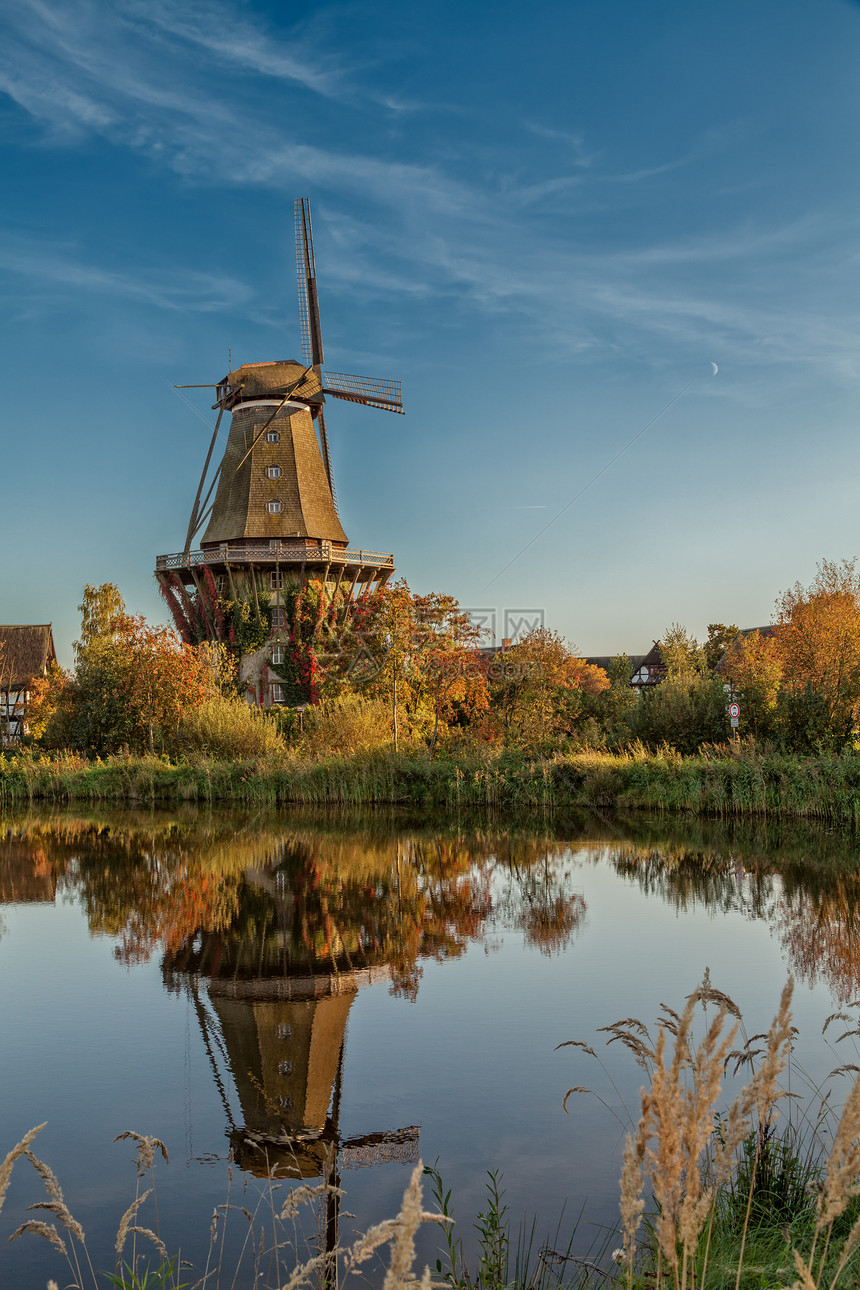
734	711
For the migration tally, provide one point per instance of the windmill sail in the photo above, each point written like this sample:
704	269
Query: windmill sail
309	314
369	390
321	430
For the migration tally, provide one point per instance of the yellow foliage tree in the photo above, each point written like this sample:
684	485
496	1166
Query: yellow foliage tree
753	666
818	642
538	696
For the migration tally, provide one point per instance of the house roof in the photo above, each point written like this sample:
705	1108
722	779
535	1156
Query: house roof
605	661
653	658
25	652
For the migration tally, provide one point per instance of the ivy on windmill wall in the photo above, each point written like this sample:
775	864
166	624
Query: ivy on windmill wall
325	645
243	625
304	609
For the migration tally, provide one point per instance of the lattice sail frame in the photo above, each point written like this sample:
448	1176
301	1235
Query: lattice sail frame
372	391
306	274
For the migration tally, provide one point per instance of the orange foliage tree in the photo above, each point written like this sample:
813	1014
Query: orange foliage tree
131	683
540	687
418	653
446	660
754	668
818	640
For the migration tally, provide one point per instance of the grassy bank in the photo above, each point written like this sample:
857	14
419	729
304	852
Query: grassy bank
727	784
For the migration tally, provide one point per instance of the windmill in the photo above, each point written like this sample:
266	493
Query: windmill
269	507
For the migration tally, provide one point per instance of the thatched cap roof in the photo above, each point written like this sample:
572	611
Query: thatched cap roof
267	380
25	652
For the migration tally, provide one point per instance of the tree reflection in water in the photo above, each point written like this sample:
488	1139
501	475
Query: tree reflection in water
290	893
271	930
802	880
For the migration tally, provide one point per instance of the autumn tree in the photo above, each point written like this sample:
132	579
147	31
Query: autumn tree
383	631
753	667
415	652
449	671
539	689
719	639
612	710
131	682
818	639
689	707
681	653
100	609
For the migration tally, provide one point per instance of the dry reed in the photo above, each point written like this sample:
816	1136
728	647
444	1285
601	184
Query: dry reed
683	1155
398	1233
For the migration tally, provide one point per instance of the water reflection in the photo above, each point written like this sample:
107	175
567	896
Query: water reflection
803	881
270	929
270	925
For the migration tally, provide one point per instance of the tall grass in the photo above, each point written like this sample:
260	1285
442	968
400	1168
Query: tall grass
730	1199
718	782
267	1260
351	724
229	729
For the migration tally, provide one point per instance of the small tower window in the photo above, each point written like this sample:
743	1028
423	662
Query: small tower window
276	581
277	618
219	583
273	436
277	655
274	508
277	694
274	472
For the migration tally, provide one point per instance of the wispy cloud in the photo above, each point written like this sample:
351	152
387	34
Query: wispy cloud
574	141
149	77
233	42
62	268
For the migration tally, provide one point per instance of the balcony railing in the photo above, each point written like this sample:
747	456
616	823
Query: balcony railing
275	553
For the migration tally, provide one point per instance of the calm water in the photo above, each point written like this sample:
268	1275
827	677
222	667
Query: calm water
376	987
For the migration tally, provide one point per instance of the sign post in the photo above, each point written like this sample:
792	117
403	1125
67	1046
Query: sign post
735	715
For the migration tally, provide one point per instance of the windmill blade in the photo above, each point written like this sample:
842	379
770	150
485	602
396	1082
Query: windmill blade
326	454
369	390
192	523
400	1145
309	314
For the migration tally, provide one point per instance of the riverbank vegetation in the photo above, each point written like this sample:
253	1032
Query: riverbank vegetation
405	707
723	782
721	1186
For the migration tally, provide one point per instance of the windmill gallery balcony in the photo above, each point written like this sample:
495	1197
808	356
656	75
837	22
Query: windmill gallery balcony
303	553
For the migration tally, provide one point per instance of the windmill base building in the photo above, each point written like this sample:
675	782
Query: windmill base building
273	526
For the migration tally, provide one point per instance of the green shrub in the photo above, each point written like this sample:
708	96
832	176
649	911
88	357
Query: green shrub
684	711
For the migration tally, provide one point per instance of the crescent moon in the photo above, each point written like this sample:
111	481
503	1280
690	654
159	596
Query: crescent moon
716	369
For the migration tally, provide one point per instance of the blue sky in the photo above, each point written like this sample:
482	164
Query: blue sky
546	219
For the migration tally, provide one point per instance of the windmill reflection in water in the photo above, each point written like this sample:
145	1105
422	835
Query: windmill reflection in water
274	1027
